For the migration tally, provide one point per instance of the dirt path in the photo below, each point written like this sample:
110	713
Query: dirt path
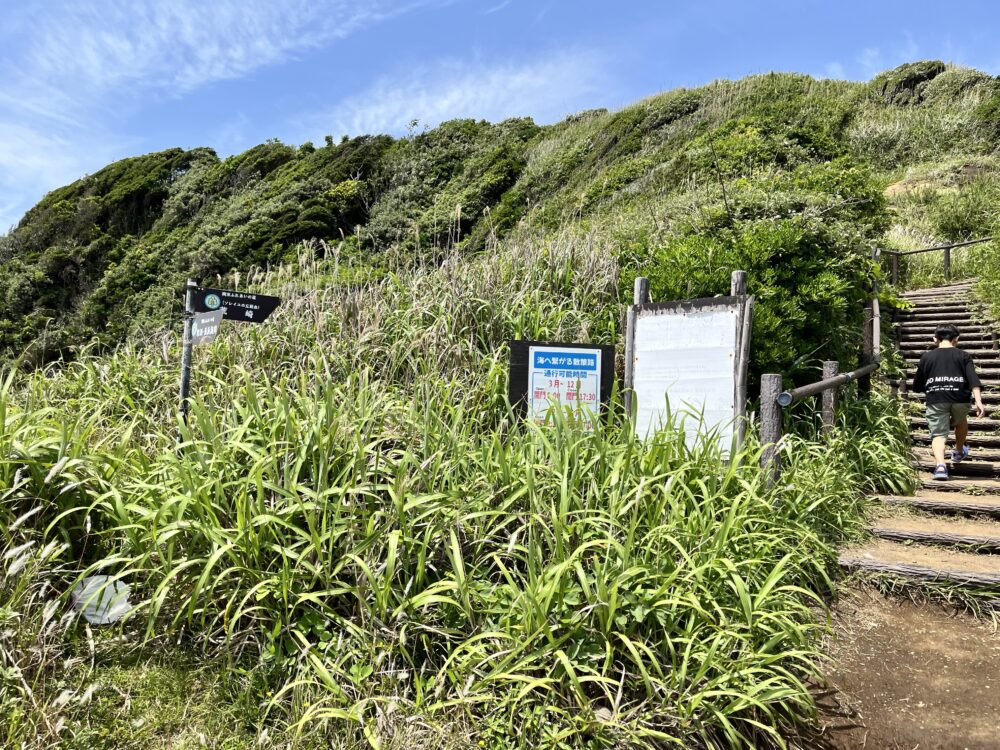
910	677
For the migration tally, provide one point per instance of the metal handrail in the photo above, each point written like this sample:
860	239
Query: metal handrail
938	247
787	398
897	254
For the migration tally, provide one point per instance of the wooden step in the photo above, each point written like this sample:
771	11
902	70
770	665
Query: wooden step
975	441
992	397
963	284
978	349
987	360
926	333
951	296
959	295
946	502
968	469
929	328
939	319
918	408
982	455
979	354
963	290
946	311
985	455
932	325
979	340
951	532
921	332
975	423
990	376
943	307
923	563
973	487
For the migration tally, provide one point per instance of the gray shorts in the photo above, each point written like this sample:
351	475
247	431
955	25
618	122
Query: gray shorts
942	417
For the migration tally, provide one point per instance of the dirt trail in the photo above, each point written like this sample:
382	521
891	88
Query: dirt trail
910	677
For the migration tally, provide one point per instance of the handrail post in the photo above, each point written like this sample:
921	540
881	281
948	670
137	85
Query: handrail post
867	348
830	369
947	264
895	269
770	427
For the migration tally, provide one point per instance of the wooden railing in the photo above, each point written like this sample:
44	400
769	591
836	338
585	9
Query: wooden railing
946	249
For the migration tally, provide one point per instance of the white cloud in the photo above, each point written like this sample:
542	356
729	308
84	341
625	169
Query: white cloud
177	46
836	70
546	89
35	160
72	69
498	7
870	61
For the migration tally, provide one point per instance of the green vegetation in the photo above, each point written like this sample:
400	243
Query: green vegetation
778	173
353	517
354	543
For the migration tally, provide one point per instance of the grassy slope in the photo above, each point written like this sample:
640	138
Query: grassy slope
355	512
770	173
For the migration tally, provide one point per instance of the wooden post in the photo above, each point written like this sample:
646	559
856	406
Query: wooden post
640	291
830	369
867	349
947	264
770	426
738	283
895	268
640	296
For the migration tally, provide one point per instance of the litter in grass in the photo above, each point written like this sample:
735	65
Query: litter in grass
101	599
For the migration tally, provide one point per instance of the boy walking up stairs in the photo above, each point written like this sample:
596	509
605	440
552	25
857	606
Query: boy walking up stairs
948	530
948	377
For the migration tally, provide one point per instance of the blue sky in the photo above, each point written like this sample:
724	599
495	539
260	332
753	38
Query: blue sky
84	82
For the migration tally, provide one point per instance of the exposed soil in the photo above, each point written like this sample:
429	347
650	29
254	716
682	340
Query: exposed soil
910	677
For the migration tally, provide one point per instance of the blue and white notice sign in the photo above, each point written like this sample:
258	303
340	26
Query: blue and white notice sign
564	377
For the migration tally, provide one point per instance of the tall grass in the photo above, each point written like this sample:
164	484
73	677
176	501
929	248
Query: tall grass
353	508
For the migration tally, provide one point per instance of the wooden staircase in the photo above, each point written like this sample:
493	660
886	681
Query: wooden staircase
949	531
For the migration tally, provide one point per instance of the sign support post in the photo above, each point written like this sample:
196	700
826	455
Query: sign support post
187	346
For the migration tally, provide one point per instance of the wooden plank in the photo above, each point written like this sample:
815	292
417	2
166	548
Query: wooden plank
946	502
924	563
944	538
972	487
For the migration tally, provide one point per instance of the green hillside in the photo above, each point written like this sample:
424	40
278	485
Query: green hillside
353	542
780	174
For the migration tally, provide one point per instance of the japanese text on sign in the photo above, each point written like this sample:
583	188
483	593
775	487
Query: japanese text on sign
564	377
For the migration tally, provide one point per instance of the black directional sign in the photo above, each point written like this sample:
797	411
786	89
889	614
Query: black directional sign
249	308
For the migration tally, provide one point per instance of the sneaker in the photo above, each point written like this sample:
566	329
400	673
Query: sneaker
957	456
941	472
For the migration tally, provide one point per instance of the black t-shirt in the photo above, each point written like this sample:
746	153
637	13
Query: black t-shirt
946	375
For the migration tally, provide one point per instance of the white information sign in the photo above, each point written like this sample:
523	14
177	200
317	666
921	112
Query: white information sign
205	327
567	377
685	357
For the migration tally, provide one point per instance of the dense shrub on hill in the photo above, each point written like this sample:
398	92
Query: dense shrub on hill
771	159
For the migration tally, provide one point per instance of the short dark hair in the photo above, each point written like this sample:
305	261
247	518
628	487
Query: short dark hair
946	332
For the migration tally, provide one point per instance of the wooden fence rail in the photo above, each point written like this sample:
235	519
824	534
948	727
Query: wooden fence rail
946	249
